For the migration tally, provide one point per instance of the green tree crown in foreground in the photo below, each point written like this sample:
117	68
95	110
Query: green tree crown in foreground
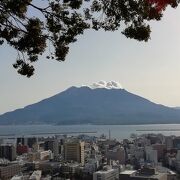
59	22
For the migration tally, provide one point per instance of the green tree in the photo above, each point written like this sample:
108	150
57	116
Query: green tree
59	22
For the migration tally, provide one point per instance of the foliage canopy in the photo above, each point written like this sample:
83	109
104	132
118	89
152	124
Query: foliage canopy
57	23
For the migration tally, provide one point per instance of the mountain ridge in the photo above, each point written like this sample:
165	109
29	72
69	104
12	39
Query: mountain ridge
84	105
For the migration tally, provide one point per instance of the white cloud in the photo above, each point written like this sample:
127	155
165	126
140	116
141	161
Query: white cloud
107	85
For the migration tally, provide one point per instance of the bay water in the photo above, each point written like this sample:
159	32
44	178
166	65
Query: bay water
116	131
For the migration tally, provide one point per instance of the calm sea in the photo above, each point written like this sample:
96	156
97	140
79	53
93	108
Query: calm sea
117	131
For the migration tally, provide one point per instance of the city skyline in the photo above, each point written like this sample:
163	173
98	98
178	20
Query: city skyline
151	70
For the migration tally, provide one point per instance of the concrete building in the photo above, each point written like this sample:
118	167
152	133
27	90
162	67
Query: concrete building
169	142
69	168
137	152
106	174
21	149
8	151
178	155
1	141
28	141
41	155
91	166
176	142
36	175
143	174
127	174
21	140
171	176
177	161
49	166
20	177
117	153
8	171
52	145
74	151
160	148
151	155
45	155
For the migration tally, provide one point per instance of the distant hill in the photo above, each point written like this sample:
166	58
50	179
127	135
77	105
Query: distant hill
98	105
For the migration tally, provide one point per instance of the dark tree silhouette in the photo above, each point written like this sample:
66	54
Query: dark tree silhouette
59	22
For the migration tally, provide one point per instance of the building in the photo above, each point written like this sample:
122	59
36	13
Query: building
146	173
20	177
8	151
106	174
69	168
176	142
1	141
91	166
21	149
33	156
28	141
160	148
45	155
74	151
178	155
117	153
49	166
22	141
52	145
171	175
127	174
9	170
31	141
151	155
169	142
36	175
40	155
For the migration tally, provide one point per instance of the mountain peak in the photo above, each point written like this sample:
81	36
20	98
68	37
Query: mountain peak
84	105
105	84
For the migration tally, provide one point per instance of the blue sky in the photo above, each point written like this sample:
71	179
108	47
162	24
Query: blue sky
151	69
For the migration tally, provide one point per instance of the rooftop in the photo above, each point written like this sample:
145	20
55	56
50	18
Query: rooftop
128	172
105	171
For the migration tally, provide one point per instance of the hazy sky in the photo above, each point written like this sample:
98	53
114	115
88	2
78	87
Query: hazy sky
151	69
